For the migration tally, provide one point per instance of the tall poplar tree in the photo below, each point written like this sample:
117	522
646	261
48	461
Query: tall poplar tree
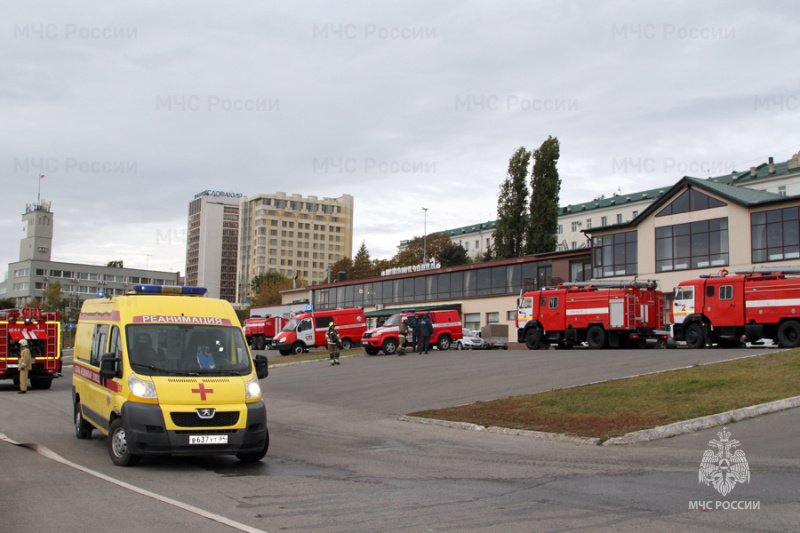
546	187
512	206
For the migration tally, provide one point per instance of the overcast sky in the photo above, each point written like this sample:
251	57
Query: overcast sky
129	109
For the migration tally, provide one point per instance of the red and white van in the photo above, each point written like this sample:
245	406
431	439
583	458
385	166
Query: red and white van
446	330
308	329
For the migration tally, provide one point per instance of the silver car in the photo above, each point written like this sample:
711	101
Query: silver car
471	341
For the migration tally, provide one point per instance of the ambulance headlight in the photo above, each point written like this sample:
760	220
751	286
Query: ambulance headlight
252	389
141	388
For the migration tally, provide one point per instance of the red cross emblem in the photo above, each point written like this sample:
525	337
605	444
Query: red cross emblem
203	391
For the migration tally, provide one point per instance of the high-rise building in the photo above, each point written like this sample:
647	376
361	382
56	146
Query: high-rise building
294	236
212	239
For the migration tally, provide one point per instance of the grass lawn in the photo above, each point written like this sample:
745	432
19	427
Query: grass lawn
275	358
617	407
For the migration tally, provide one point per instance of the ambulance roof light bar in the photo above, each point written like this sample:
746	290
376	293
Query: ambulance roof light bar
169	289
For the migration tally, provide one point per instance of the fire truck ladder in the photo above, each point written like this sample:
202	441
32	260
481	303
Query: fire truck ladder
768	270
614	284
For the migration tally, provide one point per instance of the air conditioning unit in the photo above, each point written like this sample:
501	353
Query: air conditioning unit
379	307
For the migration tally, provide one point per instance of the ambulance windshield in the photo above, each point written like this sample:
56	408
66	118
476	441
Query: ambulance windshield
187	349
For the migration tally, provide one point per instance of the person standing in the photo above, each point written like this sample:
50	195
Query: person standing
402	335
413	324
332	338
425	332
24	366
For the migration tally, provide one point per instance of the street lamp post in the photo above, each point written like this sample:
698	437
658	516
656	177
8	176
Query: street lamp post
425	239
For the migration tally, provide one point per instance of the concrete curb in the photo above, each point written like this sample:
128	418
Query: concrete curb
705	422
661	432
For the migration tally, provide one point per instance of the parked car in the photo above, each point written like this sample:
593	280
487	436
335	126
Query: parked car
471	341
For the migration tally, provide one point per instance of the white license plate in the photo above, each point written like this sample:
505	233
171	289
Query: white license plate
208	439
12	365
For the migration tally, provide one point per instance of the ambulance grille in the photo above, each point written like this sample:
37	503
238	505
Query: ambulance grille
191	420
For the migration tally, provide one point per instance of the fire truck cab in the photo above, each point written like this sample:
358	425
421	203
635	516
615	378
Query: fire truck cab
753	304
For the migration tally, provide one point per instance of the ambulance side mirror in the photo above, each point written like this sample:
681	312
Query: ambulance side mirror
108	365
262	366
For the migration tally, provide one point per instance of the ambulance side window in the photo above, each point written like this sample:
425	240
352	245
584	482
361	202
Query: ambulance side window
115	345
99	338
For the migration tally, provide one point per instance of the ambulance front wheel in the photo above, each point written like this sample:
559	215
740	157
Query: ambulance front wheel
83	429
252	457
118	446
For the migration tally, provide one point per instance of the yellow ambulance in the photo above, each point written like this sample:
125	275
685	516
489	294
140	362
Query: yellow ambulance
166	371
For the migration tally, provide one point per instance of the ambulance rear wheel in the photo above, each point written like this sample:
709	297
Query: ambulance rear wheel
41	383
695	338
83	429
596	338
118	446
789	334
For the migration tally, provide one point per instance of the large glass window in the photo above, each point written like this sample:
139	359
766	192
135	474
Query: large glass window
775	234
614	255
700	244
690	200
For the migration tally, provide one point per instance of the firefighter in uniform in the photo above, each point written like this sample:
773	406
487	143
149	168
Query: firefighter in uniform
332	338
24	366
402	335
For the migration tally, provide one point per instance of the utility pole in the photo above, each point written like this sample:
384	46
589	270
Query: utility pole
425	239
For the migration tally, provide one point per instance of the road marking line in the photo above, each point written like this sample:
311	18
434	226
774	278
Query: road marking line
50	454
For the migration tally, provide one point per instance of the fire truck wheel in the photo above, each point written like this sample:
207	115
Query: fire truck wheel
118	446
41	383
789	334
389	346
695	339
443	343
533	339
596	338
83	430
346	344
258	342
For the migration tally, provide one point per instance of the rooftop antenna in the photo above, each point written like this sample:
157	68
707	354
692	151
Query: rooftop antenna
39	194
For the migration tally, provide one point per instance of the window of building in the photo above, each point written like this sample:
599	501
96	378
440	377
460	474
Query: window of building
492	318
782	190
575	226
699	244
603	221
588	223
472	321
690	200
614	255
560	229
775	234
619	218
511	315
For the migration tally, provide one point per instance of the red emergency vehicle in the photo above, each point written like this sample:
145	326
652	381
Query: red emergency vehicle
259	330
43	333
616	313
756	303
307	329
446	329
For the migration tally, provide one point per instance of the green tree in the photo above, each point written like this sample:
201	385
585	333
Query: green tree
345	265
8	303
362	265
405	258
453	255
488	255
512	225
52	300
266	288
546	188
73	310
430	247
115	264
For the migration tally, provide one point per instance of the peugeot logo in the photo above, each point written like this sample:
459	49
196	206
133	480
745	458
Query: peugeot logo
205	413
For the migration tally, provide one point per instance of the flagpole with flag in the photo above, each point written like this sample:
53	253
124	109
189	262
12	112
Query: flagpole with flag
39	195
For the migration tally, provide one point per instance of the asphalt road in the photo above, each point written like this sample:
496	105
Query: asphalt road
340	460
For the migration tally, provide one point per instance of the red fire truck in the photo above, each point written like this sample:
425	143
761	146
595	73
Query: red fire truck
756	303
308	329
615	313
43	333
260	331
